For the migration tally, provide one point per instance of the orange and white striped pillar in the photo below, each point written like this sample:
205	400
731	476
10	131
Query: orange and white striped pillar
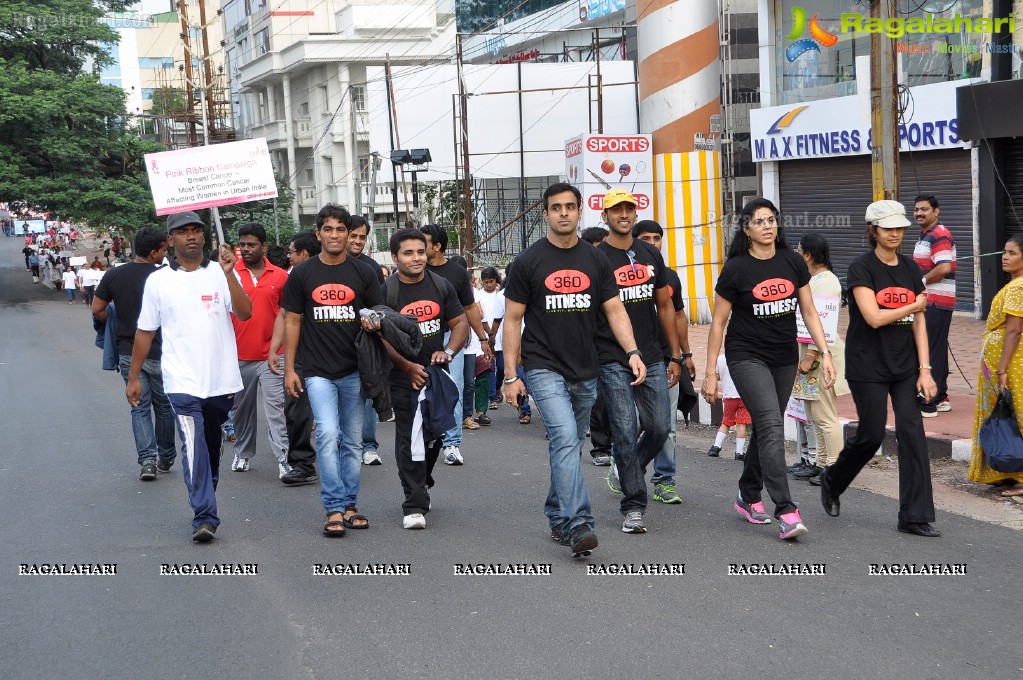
679	89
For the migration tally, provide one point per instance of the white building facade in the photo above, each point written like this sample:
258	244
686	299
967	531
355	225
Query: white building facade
298	78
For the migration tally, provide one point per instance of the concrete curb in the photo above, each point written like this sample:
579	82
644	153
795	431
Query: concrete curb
938	447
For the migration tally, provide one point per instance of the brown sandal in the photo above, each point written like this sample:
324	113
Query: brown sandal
525	419
334	528
354	520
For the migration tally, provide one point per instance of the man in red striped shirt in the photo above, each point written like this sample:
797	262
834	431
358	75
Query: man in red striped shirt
935	254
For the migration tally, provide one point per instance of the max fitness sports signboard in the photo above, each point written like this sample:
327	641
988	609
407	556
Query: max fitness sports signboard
598	163
841	126
210	176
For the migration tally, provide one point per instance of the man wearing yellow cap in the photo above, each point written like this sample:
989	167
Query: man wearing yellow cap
639	273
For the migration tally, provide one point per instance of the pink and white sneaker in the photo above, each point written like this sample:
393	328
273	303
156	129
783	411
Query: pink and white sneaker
791	526
753	512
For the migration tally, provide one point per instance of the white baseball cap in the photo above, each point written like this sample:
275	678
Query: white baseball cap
887	214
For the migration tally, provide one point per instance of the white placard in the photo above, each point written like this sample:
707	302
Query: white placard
827	309
210	176
597	164
78	261
796	409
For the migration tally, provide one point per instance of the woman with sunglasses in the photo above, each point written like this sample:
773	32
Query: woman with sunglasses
760	286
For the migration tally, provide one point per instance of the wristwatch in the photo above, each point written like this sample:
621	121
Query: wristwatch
450	352
634	352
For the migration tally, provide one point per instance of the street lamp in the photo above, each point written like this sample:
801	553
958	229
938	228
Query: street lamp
416	158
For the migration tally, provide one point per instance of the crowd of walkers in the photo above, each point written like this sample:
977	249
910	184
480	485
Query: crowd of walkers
591	331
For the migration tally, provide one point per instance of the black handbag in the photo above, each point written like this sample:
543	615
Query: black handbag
1000	438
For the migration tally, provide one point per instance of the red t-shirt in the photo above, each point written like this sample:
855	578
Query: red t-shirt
254	335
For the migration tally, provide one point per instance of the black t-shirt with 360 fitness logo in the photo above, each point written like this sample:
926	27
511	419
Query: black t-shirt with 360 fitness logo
329	298
563	289
434	303
638	271
764	296
889	352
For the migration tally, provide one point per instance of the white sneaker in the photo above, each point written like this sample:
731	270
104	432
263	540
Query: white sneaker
929	414
414	521
283	468
452	456
944	406
240	464
371	458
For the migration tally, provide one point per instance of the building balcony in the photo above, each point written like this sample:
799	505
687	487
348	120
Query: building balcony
303	132
272	130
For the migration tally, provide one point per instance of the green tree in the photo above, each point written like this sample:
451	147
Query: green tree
65	139
443	201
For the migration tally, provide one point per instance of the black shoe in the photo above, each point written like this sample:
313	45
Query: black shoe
204	533
830	503
299	478
714	452
165	465
148	473
807	472
919	528
801	464
583	541
816	481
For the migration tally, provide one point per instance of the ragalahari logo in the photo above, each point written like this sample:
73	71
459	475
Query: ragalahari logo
819	35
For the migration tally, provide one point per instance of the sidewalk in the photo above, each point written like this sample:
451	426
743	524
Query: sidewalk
950	434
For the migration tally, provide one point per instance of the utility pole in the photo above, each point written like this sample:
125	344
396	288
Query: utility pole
600	82
207	68
463	112
884	99
189	101
392	116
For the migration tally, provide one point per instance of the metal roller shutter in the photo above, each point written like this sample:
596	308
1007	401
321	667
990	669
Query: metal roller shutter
829	196
1014	184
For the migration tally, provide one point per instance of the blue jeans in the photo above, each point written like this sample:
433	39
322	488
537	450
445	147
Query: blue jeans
337	411
151	440
70	294
498	374
468	386
199	422
630	411
565	409
453	437
664	463
524	410
369	428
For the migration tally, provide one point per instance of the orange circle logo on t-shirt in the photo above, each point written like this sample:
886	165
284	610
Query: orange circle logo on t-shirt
625	276
424	310
894	297
773	289
333	294
567	281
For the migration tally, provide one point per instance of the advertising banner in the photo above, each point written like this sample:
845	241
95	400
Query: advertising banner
597	164
210	176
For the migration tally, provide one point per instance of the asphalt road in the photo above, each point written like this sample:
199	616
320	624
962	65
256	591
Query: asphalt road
69	494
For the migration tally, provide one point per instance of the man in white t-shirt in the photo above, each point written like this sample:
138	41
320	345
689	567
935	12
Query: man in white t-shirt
191	303
70	280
